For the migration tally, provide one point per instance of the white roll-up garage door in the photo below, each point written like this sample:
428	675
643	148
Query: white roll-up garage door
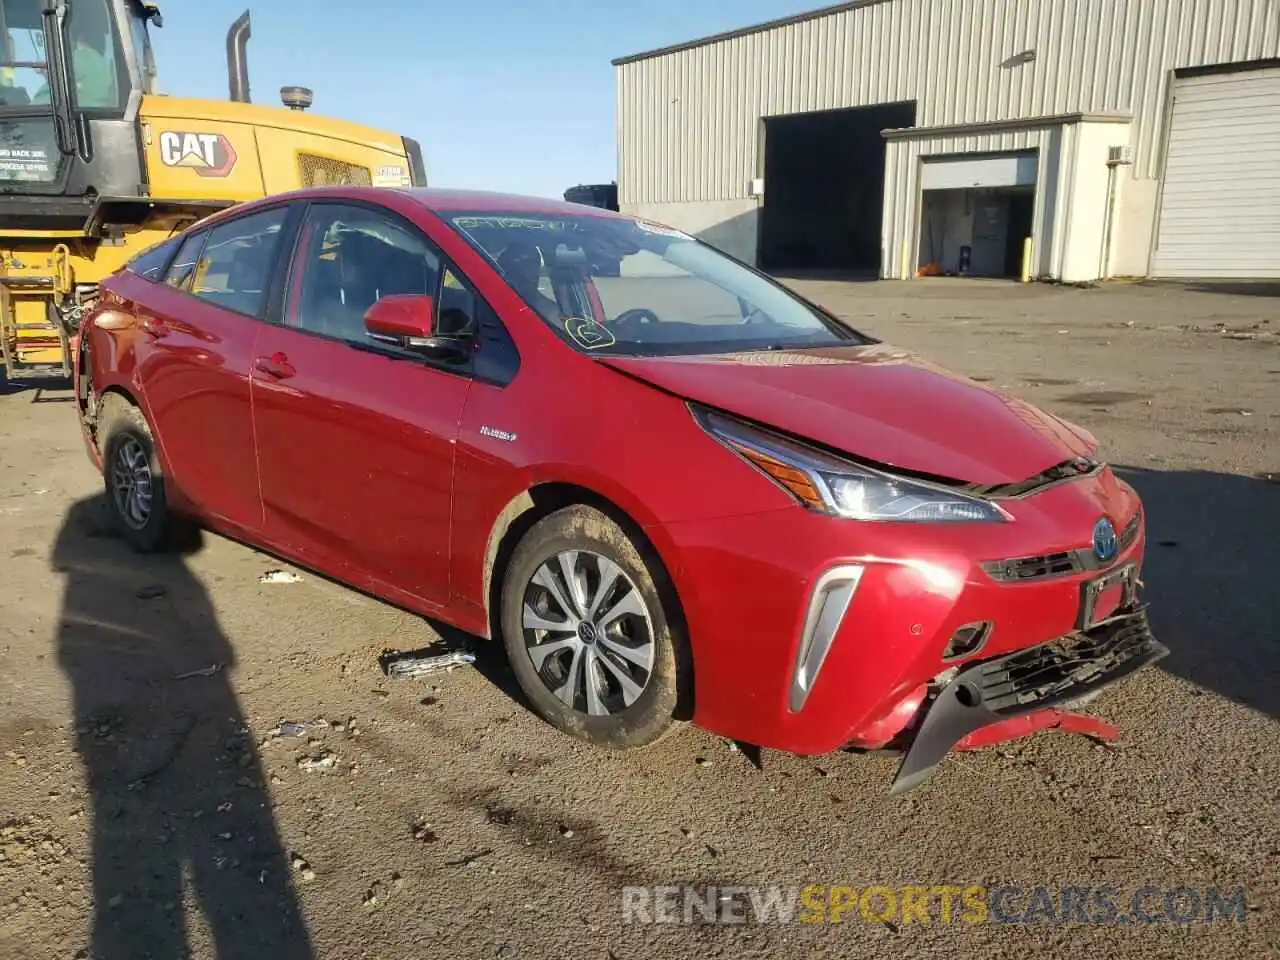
1220	208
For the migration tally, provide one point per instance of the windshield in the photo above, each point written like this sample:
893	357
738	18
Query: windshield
617	285
24	65
90	43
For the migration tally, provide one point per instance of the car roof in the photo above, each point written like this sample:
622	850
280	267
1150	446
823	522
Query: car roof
435	199
484	201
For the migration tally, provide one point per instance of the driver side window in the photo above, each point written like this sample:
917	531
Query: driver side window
348	259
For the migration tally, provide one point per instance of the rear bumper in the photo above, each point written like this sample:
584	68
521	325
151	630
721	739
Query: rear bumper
1029	685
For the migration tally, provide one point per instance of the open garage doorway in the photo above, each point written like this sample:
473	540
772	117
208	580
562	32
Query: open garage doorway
824	189
976	214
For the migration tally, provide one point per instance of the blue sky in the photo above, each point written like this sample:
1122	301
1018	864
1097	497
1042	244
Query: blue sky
502	94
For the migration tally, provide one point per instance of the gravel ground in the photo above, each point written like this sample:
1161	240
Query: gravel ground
144	794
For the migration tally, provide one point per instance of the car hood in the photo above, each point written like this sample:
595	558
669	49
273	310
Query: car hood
878	403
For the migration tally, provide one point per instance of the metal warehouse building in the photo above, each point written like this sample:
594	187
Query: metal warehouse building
1080	138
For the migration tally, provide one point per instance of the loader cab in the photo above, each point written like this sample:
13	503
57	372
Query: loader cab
72	76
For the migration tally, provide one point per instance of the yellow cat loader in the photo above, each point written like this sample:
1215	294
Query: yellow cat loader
96	165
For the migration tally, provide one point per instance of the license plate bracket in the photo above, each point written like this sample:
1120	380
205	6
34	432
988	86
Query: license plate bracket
1102	596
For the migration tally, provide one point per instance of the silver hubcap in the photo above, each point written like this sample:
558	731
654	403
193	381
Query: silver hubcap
588	632
131	483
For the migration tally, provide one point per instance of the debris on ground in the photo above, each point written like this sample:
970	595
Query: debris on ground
208	671
302	867
419	663
152	592
374	894
279	576
566	832
469	859
326	761
422	832
702	761
503	816
291	729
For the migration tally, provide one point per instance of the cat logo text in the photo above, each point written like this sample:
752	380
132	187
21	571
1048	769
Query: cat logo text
208	154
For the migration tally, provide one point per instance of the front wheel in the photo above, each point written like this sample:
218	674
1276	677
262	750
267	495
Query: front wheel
587	633
131	473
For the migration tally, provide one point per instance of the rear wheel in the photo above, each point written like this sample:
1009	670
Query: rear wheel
131	474
587	633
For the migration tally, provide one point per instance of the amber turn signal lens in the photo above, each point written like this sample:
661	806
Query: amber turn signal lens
797	481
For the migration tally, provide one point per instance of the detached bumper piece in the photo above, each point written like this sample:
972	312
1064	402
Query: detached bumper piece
1027	682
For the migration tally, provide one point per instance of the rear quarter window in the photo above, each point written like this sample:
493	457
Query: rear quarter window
152	262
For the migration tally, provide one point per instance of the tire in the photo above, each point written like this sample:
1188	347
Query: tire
616	716
127	446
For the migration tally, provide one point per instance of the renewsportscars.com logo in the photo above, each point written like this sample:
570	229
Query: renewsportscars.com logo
1097	905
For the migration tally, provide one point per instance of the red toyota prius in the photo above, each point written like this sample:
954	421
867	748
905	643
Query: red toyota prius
672	488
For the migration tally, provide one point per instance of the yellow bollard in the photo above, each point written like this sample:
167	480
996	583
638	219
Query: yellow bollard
1027	247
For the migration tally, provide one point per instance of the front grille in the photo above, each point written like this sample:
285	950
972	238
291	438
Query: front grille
1060	564
323	172
1066	668
1034	568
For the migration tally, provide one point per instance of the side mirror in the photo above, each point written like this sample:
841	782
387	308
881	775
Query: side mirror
401	317
409	321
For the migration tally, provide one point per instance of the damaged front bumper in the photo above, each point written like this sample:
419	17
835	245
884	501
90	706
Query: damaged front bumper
1021	692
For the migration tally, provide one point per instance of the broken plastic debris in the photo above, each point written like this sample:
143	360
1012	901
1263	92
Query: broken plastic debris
289	729
279	576
419	663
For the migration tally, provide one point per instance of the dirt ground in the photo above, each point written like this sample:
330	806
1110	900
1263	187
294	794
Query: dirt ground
146	804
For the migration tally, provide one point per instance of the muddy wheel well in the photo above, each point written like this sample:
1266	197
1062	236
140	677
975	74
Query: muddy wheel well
531	506
93	404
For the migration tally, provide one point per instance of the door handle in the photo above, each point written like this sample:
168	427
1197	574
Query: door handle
276	366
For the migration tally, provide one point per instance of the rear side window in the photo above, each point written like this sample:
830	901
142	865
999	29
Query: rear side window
184	264
235	267
151	263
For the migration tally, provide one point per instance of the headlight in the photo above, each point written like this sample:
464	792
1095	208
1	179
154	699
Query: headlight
842	488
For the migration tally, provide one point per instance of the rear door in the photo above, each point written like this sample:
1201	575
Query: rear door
356	437
199	329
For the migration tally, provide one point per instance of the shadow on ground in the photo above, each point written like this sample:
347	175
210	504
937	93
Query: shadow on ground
1232	288
52	390
180	811
1210	573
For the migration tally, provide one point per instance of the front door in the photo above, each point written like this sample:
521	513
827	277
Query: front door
355	435
199	329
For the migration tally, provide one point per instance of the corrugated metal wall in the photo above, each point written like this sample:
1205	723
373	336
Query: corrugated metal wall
689	121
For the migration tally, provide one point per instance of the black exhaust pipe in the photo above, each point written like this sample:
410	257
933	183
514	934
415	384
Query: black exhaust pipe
238	59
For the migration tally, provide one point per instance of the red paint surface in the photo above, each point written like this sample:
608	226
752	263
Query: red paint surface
1016	727
373	470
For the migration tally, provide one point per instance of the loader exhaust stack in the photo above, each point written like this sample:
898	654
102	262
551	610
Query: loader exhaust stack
238	59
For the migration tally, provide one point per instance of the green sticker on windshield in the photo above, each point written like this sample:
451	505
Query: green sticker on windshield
588	334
